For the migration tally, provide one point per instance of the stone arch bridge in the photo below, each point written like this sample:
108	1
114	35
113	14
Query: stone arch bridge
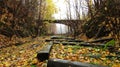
66	22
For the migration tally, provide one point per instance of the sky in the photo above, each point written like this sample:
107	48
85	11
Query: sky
61	6
61	14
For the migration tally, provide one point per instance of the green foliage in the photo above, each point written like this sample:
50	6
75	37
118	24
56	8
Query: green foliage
33	65
94	63
110	43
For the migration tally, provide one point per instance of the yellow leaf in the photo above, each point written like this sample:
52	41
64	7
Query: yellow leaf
69	49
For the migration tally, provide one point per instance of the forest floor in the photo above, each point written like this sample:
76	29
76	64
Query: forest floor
24	54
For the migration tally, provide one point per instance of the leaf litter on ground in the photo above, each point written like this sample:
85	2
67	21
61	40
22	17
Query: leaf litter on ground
23	55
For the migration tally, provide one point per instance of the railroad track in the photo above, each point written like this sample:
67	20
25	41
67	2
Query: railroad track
45	52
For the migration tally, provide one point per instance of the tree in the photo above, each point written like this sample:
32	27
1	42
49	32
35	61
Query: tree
104	19
74	12
22	17
45	11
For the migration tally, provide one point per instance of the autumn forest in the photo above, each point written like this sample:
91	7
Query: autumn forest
59	33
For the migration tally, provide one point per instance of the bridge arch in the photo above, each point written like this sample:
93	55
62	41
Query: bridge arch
73	25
